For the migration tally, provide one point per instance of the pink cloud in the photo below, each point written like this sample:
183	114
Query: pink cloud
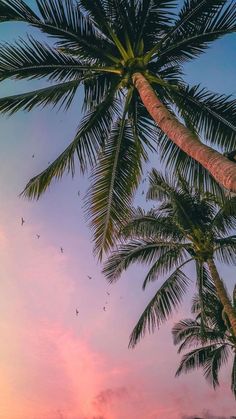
109	395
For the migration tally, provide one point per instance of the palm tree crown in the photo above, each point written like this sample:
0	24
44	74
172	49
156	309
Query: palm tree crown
101	44
212	345
188	226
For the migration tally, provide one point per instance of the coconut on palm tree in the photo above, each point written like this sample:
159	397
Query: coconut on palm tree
128	56
213	345
188	226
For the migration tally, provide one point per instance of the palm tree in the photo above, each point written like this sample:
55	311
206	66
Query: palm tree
188	226
128	55
212	345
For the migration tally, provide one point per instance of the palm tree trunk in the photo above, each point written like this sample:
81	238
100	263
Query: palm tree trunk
222	169
222	294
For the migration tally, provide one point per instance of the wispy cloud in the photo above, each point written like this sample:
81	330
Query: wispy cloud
107	396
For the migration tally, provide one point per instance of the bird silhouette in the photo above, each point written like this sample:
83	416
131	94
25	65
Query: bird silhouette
104	308
77	312
32	156
108	293
22	221
78	193
89	277
62	250
38	235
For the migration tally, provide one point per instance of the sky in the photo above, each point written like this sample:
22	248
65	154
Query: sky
54	364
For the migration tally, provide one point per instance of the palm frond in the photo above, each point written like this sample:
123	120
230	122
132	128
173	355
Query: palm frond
64	21
61	94
183	329
209	357
225	250
166	263
190	39
178	162
114	181
211	368
192	10
154	18
96	88
32	59
224	221
137	250
212	115
74	30
161	187
87	143
189	333
17	10
205	280
102	20
151	224
160	308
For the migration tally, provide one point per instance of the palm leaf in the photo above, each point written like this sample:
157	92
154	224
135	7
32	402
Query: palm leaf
209	357
224	221
189	333
97	12
33	60
154	18
167	298
61	94
192	39
151	224
196	11
16	10
178	162
88	141
63	20
225	250
114	181
165	263
218	357
212	115
137	250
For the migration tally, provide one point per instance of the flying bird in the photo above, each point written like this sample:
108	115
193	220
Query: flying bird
32	156
22	221
89	277
104	308
62	250
38	235
108	293
77	312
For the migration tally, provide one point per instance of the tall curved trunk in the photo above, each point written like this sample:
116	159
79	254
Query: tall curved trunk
222	294
222	169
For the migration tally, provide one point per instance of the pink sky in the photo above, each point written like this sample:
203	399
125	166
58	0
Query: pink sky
54	364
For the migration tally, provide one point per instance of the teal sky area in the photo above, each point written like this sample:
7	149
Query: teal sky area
54	364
